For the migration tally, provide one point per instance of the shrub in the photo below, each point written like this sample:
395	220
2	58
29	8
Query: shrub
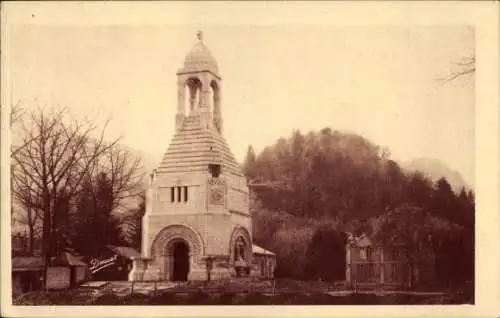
198	298
65	297
313	299
109	299
32	298
255	298
166	298
135	299
226	298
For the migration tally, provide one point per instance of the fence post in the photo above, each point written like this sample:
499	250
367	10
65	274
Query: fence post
154	291
382	268
132	288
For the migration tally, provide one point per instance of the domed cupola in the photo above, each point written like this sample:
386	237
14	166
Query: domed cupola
200	58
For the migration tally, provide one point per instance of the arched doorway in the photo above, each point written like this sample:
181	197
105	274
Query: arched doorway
180	255
166	244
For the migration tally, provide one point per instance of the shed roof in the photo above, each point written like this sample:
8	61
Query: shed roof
67	258
124	251
360	241
26	263
259	250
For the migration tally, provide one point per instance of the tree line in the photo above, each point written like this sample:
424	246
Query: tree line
308	183
70	185
79	192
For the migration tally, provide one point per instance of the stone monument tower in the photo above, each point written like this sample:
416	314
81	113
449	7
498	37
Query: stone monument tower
197	202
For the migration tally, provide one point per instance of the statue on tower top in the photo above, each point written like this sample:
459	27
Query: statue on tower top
199	35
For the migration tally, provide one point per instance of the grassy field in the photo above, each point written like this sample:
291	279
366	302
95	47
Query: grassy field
202	298
287	292
79	297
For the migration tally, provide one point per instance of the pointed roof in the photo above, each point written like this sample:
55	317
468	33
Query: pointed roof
27	263
259	250
66	259
362	240
193	148
200	58
124	251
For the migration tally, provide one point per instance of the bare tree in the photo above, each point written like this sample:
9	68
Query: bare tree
112	183
123	171
16	113
125	176
24	194
55	156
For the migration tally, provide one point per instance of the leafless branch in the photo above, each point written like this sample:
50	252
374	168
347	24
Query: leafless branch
16	113
123	172
465	67
50	165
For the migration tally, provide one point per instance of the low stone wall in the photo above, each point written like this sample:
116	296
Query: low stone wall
58	277
146	269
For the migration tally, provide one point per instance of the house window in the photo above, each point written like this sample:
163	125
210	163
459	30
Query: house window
369	253
362	253
179	189
185	194
172	194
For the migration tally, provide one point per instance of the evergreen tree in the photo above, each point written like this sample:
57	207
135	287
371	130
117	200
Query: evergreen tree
443	202
323	259
133	224
419	190
95	224
249	163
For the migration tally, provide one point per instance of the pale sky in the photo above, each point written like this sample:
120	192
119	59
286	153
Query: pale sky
376	81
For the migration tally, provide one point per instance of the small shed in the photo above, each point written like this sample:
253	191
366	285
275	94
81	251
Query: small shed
66	271
113	263
125	251
264	262
27	273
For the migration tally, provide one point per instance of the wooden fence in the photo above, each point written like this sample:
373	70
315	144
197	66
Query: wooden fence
380	273
273	287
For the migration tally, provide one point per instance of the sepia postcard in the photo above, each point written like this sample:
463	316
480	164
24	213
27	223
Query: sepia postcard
250	159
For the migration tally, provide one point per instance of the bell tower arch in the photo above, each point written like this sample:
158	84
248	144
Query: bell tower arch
199	79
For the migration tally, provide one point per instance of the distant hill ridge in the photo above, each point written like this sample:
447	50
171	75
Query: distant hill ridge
435	169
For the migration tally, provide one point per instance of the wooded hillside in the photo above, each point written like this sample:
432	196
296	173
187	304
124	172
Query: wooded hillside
330	179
